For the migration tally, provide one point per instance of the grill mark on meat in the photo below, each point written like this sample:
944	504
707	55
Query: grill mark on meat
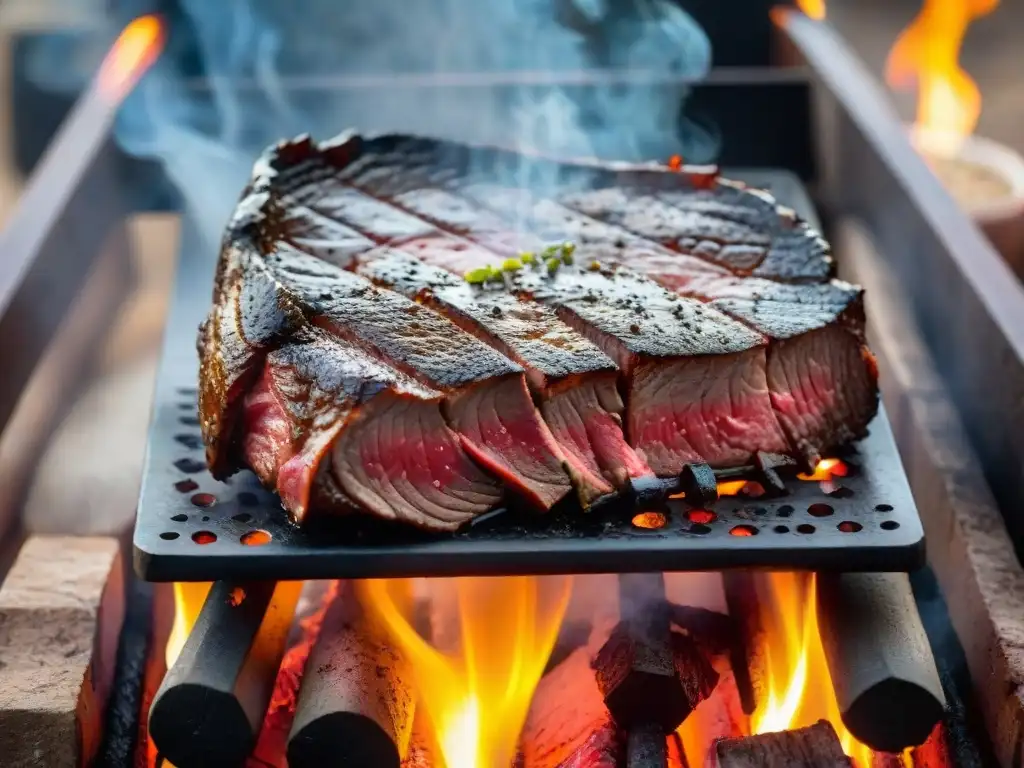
742	229
320	411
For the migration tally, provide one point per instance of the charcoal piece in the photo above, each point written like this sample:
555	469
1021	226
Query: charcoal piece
714	632
699	484
880	660
814	747
355	707
646	747
211	703
645	672
747	655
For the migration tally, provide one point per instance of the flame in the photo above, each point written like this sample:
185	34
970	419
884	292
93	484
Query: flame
188	602
797	686
134	51
826	469
813	8
477	698
927	54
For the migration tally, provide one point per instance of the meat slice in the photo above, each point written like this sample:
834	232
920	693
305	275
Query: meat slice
743	230
486	398
327	420
822	377
697	386
573	379
250	314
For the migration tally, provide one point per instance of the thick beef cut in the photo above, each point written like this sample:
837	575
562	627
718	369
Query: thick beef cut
383	299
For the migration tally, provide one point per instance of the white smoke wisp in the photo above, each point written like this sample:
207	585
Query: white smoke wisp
275	70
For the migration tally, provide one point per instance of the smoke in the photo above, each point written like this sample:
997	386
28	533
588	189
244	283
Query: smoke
277	69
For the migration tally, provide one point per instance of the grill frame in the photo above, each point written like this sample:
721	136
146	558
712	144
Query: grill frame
500	544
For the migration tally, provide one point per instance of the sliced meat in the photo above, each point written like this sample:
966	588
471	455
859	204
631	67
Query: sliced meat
487	401
326	412
822	377
705	304
250	314
696	386
573	379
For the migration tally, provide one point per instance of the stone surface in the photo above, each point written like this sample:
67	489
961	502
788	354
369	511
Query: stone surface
968	546
61	611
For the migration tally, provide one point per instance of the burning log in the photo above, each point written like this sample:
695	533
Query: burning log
814	747
879	658
569	725
646	672
355	706
747	654
211	702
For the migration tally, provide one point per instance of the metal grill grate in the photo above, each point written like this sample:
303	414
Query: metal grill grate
193	528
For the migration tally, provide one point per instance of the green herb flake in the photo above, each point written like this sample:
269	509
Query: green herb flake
478	275
511	265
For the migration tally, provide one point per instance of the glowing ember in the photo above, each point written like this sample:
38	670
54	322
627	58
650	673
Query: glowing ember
926	54
675	162
813	8
134	51
798	688
476	699
272	742
826	470
701	516
652	520
237	596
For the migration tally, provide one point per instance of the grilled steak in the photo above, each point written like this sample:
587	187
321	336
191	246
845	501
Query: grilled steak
695	321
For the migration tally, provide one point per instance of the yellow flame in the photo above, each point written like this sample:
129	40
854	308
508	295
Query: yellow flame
134	51
926	54
824	470
188	602
798	688
477	697
813	8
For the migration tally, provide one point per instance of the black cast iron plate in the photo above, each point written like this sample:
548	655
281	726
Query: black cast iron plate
193	528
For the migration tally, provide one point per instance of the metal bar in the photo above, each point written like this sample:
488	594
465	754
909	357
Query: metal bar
881	663
65	215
